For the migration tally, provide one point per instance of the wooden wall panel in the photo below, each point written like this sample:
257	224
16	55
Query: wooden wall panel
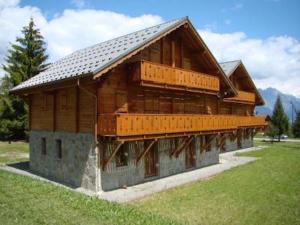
86	109
211	104
66	110
225	108
113	92
41	111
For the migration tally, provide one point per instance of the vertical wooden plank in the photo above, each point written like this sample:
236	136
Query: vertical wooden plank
54	111
173	52
162	51
29	111
77	108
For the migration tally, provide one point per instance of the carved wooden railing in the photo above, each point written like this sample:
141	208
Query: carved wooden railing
149	73
152	124
243	96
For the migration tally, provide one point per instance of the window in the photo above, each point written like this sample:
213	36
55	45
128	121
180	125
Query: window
122	156
44	146
59	149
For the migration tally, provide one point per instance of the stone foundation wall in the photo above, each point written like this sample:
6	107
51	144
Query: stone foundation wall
115	177
232	145
247	142
77	167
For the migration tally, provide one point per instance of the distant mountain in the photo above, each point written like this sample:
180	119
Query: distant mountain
270	95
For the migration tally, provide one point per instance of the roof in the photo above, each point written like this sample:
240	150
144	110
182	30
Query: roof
93	59
229	67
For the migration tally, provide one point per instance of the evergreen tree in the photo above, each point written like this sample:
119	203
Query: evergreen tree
25	59
296	126
279	118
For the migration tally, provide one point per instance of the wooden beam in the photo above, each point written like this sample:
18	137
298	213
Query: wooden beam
212	137
184	147
179	146
162	51
173	53
77	113
145	151
221	142
105	162
54	111
29	112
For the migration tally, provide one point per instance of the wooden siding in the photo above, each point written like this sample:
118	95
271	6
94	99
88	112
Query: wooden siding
56	111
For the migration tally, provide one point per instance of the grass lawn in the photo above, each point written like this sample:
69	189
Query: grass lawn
266	191
14	152
27	201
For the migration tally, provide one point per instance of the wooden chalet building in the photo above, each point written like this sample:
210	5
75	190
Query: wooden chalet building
142	106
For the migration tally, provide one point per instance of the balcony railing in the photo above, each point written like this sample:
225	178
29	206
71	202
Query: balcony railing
149	124
169	77
243	96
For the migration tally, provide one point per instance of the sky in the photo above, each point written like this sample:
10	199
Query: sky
264	34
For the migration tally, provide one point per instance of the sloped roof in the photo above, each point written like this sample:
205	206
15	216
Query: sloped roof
93	59
229	67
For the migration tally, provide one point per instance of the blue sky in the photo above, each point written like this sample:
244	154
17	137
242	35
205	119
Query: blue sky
258	18
264	34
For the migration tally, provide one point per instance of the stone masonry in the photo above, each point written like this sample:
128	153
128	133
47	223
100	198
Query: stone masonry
78	164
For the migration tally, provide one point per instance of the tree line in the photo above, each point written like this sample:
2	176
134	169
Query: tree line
27	57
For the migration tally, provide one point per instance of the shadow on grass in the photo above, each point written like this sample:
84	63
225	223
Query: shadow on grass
20	165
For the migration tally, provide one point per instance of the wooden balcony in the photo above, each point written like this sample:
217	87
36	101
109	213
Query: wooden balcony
243	96
163	76
165	124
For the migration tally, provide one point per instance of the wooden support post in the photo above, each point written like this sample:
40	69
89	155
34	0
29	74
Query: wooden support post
29	112
179	146
77	114
212	137
54	111
105	162
162	51
173	53
145	151
221	142
184	147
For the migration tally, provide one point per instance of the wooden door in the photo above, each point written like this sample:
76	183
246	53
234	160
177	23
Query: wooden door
190	156
150	162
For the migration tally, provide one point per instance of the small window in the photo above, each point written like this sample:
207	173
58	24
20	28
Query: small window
122	156
44	146
59	149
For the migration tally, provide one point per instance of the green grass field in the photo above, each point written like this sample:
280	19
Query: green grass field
266	191
14	152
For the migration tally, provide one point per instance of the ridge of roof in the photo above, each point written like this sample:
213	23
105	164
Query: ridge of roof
97	57
230	66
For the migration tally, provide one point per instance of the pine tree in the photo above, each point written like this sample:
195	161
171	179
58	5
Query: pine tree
25	59
296	126
279	118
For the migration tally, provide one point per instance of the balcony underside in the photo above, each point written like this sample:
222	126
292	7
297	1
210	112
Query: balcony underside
147	126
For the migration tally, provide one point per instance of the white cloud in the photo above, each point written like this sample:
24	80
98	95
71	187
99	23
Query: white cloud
68	31
272	62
